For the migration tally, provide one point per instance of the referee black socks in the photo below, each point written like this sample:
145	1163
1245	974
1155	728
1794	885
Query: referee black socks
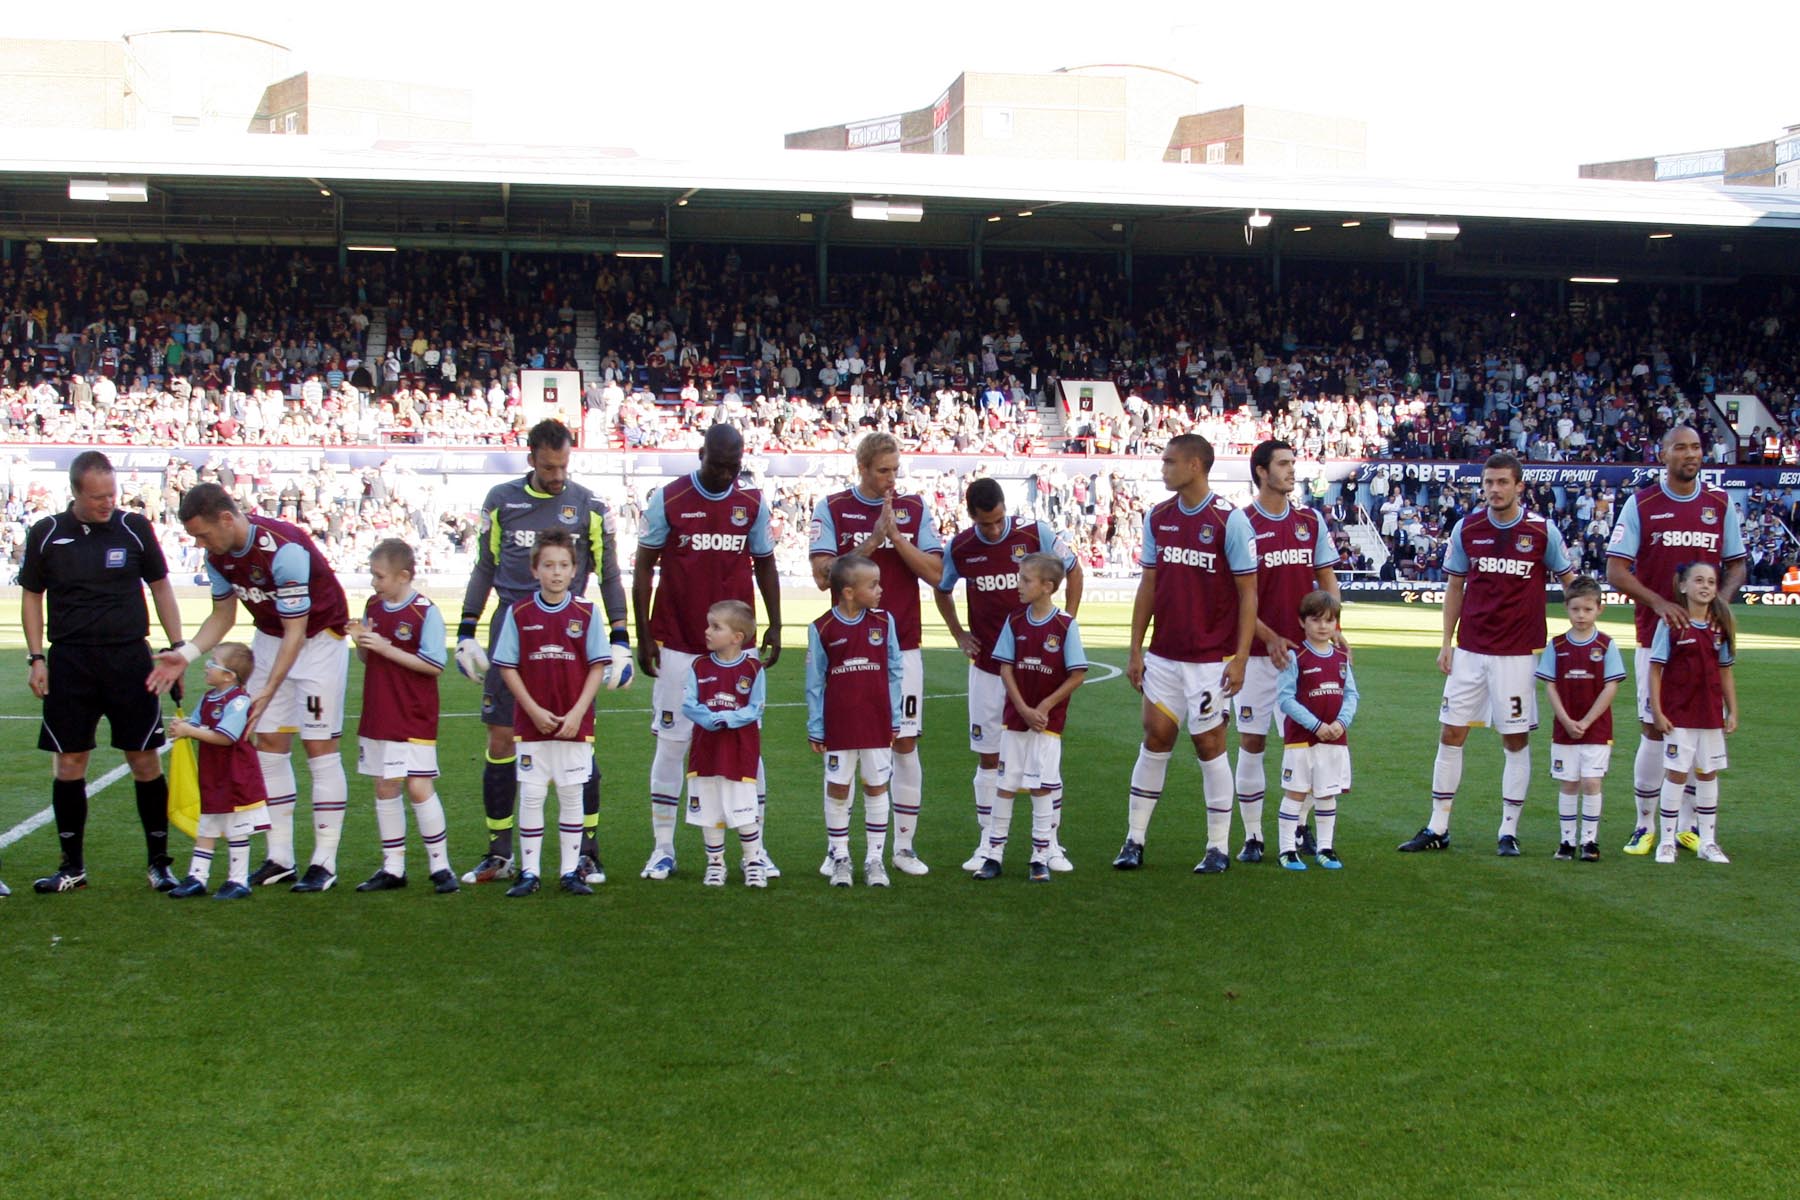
68	800
153	811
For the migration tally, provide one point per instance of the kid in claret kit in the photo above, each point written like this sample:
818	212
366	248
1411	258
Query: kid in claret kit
552	654
231	782
1694	700
1317	697
401	641
1581	670
724	697
1042	662
853	711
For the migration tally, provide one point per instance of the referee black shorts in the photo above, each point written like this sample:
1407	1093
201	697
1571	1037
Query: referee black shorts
90	682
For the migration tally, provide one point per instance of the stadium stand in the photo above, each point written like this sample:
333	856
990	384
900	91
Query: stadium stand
247	348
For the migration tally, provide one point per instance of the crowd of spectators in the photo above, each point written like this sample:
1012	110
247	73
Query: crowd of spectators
1414	519
251	346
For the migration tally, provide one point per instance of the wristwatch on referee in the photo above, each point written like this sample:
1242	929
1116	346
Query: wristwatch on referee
32	660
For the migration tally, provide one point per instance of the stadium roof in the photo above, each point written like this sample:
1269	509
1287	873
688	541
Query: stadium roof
798	179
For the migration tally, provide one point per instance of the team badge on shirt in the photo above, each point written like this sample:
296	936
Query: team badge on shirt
1052	643
1018	554
218	710
876	637
1525	542
403	632
567	515
1596	654
743	685
901	516
574	629
257	577
1709	516
740	515
1302	532
1206	535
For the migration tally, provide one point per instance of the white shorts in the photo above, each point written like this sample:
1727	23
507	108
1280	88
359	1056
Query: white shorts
239	825
987	710
310	701
721	803
877	766
1572	764
912	693
1322	770
1029	761
1640	670
672	671
1498	690
566	764
1694	749
396	760
1254	705
1187	692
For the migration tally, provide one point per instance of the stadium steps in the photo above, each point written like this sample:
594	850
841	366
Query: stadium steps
375	349
1051	417
1367	539
587	344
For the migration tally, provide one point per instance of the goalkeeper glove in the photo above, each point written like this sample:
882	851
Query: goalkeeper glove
471	659
620	675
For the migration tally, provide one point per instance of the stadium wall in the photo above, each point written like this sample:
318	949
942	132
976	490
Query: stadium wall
478	460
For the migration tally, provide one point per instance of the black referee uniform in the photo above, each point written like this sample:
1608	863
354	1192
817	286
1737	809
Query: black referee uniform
93	574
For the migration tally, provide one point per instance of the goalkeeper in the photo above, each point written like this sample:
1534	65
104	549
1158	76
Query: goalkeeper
512	516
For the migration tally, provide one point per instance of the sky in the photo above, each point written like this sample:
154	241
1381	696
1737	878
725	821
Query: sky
1527	90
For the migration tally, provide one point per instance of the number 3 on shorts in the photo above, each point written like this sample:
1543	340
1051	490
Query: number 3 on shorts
1518	707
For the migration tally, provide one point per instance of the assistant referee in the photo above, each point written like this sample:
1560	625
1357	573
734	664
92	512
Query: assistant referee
93	562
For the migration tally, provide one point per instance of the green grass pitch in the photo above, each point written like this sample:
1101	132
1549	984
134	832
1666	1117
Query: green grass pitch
1441	1025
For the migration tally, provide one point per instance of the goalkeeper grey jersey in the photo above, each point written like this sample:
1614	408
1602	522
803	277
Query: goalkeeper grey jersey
512	516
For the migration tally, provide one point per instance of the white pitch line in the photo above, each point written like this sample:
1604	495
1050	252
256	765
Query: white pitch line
43	817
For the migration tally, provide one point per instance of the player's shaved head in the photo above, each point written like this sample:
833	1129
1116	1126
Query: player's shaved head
721	458
1193	447
1681	454
722	439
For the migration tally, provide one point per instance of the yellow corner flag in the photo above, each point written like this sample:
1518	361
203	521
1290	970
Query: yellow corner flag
184	783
